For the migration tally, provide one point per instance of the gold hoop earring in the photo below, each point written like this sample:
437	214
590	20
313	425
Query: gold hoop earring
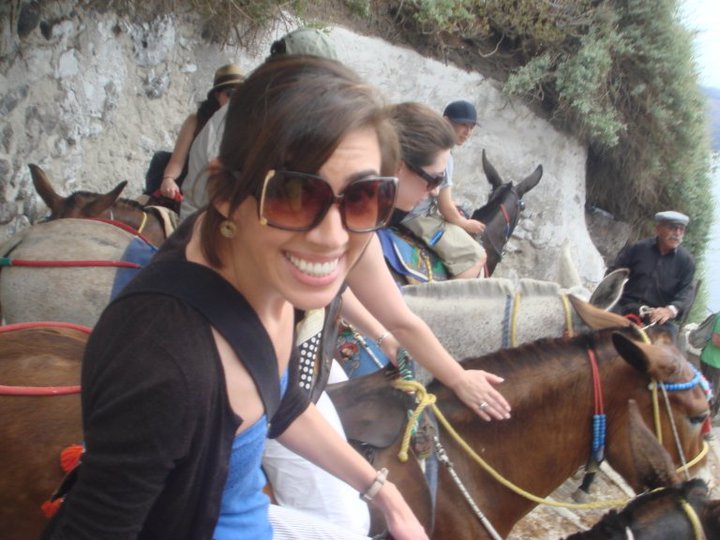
228	229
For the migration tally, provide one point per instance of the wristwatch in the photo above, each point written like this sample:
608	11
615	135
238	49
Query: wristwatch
673	310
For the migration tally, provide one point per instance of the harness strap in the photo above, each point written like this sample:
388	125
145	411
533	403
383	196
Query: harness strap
424	399
570	332
124	226
445	460
507	221
6	390
599	418
506	322
7	261
513	322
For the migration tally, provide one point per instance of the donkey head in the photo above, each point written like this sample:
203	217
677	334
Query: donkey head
81	204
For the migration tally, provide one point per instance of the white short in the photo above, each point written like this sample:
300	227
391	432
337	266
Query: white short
291	524
300	485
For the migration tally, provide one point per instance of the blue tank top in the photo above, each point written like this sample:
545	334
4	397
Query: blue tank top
244	506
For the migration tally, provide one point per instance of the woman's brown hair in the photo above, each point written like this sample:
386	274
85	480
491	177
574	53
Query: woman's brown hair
290	113
423	133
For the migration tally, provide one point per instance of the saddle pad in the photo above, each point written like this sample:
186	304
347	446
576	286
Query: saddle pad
409	259
139	252
358	355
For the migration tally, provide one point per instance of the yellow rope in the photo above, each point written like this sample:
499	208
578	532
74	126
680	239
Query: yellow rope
143	222
653	389
693	518
425	399
696	459
568	315
513	320
428	264
656	416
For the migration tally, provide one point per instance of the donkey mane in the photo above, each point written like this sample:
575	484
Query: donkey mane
73	197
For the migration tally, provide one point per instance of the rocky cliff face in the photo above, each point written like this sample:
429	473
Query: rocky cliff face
89	97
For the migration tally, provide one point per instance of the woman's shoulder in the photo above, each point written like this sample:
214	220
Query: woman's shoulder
151	331
190	123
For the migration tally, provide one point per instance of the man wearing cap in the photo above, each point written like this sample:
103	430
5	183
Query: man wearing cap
661	273
437	220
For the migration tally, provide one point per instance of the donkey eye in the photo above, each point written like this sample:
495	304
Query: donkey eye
699	418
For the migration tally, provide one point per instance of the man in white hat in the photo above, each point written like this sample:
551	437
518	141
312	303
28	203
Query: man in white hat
661	273
206	146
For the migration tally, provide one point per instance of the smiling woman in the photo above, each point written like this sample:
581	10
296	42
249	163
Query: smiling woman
304	165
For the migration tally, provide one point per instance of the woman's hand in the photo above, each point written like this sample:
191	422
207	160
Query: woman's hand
169	188
475	390
401	522
473	227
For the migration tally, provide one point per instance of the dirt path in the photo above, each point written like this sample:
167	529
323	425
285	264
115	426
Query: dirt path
549	523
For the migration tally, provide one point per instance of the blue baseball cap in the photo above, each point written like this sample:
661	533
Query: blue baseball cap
461	112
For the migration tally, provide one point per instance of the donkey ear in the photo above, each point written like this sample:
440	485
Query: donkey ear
103	202
490	172
632	352
43	187
530	181
595	317
652	462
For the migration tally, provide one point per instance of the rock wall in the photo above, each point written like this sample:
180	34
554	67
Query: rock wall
89	97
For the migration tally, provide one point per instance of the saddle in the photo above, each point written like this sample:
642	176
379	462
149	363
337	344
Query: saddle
374	423
409	258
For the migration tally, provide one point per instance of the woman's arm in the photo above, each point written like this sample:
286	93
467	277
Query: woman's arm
173	169
372	283
338	458
449	211
357	315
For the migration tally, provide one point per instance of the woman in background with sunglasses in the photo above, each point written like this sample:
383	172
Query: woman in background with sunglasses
174	416
425	142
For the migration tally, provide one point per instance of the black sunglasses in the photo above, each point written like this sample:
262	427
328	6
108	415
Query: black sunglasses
296	201
432	181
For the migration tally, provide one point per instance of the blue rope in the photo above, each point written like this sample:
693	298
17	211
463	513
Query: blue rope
598	441
678	387
406	365
506	322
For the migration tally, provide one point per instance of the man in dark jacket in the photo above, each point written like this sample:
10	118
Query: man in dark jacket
660	288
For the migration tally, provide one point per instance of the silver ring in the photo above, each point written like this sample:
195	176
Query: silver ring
484	404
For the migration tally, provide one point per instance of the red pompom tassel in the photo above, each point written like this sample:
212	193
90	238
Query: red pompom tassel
49	508
70	457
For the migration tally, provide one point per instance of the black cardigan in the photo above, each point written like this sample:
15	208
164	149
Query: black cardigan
158	423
